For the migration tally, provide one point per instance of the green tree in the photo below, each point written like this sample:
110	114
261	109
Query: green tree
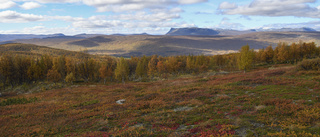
245	58
59	64
53	75
141	70
282	54
105	72
87	69
152	65
122	70
22	64
45	64
161	68
70	78
190	64
219	61
7	69
34	71
268	54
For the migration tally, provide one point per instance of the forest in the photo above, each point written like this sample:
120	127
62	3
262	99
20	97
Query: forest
21	69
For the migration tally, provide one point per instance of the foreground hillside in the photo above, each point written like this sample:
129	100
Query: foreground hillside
138	45
265	102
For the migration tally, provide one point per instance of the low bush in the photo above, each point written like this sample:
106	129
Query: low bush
13	101
309	64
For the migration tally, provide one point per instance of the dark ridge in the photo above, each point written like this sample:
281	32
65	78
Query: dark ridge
84	43
191	31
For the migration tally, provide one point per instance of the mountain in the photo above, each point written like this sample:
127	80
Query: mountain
303	29
191	32
214	32
178	41
166	45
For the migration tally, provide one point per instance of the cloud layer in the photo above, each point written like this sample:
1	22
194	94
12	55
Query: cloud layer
15	17
30	5
297	8
155	16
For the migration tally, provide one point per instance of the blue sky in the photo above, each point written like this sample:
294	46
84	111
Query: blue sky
152	16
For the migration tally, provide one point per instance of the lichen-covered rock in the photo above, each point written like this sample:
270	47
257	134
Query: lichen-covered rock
121	101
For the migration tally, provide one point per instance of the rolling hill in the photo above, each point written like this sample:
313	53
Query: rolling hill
35	50
167	45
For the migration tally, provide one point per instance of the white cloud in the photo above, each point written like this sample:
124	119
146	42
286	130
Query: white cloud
30	5
97	24
156	15
136	16
134	5
227	5
56	1
43	30
122	28
7	4
191	1
227	24
297	8
9	16
106	5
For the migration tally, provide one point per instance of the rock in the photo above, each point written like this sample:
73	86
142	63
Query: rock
121	101
260	107
186	108
0	95
137	125
182	127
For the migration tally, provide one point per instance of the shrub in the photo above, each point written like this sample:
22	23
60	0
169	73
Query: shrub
70	78
13	101
309	64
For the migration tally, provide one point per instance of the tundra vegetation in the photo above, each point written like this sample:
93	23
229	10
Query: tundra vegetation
189	95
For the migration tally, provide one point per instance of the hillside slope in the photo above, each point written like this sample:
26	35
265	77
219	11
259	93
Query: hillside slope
277	102
35	50
138	45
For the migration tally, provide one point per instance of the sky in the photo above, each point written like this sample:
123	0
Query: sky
73	17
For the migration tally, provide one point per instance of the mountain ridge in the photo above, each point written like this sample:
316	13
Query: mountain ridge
210	32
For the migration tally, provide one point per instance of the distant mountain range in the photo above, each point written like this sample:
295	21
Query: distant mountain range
211	32
172	32
178	41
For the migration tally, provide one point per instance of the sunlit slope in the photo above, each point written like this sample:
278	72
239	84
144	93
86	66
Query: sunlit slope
137	45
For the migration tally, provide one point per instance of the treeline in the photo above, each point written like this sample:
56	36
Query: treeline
17	69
